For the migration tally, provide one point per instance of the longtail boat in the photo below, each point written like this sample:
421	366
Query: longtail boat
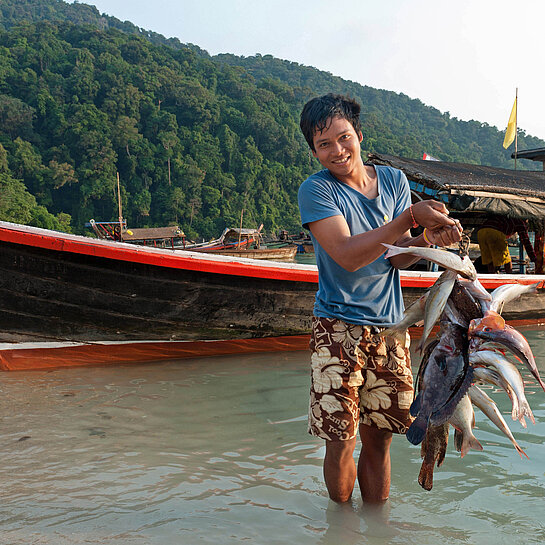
285	252
61	287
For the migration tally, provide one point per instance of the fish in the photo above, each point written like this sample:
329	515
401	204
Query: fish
481	373
511	375
507	293
424	362
443	382
413	314
435	303
463	421
433	451
476	289
452	314
462	306
448	260
488	375
489	408
492	328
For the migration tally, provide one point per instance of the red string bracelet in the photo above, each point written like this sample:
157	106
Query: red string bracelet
414	225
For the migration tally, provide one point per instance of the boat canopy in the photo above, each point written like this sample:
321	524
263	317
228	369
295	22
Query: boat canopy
152	233
474	190
233	233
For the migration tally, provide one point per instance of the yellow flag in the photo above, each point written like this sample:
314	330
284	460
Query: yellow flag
511	127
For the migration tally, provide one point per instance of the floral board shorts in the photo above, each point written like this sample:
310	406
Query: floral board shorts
358	376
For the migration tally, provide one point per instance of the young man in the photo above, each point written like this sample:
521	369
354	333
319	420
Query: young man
359	378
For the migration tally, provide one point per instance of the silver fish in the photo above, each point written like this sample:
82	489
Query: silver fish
491	376
492	328
489	408
435	303
507	293
511	375
414	313
463	420
444	258
476	289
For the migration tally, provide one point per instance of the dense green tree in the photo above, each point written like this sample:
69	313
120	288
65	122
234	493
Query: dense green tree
20	206
17	203
15	116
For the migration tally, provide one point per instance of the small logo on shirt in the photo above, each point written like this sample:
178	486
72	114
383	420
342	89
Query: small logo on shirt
386	219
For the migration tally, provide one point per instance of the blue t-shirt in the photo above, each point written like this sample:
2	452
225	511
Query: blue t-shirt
371	295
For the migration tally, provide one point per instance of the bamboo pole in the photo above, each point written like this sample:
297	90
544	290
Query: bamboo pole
119	206
516	115
240	232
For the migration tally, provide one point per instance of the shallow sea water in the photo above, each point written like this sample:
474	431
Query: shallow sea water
215	450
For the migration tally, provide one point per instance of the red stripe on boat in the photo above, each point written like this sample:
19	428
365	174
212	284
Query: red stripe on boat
182	259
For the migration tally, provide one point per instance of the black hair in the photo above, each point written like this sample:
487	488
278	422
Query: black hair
318	112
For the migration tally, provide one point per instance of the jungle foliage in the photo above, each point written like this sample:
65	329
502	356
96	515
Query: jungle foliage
195	139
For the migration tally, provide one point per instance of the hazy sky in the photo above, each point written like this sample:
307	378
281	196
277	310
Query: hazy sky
462	56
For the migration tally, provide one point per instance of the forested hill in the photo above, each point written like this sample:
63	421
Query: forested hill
195	139
16	12
396	124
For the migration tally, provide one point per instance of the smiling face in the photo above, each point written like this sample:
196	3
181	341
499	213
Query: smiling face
337	148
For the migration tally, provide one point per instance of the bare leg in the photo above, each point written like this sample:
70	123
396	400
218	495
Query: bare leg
508	268
340	469
374	464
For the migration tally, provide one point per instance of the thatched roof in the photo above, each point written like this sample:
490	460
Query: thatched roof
537	154
153	233
471	189
440	175
233	233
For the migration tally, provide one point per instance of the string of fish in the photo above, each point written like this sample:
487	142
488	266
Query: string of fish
472	347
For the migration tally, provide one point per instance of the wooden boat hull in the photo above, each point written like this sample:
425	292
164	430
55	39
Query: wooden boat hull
285	252
305	247
25	356
57	286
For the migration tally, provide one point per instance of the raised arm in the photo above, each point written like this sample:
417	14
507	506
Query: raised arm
355	251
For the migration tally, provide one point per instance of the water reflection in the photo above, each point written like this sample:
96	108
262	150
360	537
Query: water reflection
215	450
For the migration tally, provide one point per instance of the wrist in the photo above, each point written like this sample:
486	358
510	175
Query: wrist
414	223
425	238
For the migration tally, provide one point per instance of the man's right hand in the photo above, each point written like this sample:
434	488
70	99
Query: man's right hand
432	215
